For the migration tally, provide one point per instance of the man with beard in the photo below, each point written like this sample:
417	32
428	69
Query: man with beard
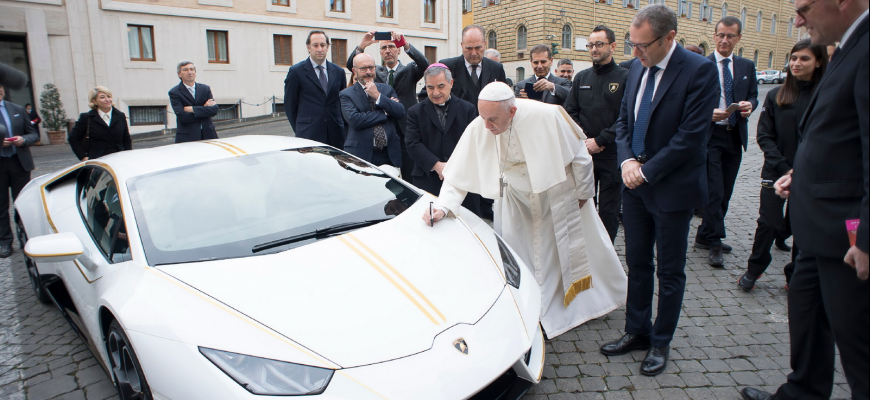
552	89
565	69
371	110
596	95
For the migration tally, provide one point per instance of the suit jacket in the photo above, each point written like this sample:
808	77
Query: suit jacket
312	113
831	172
676	137
745	89
103	139
361	119
189	125
563	86
21	126
427	141
463	88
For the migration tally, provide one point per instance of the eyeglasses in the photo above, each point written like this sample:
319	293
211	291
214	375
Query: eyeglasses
642	47
802	12
368	68
722	36
599	45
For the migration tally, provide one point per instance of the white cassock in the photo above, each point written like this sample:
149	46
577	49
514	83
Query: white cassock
547	169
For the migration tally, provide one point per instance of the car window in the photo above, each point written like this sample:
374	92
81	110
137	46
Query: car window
225	208
100	208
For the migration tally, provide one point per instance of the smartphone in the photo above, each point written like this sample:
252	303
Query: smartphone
532	93
383	36
9	139
733	107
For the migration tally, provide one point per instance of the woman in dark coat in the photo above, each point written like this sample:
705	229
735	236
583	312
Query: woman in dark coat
104	126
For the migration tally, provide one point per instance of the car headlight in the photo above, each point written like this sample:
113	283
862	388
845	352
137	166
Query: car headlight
511	267
269	377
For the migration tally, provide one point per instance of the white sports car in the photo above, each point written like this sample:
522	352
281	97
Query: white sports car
263	265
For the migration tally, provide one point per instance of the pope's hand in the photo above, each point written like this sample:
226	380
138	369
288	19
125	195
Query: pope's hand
438	215
631	175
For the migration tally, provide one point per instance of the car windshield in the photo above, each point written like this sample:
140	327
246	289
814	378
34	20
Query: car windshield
228	208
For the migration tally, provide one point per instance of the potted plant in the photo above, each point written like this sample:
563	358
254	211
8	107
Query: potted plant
53	114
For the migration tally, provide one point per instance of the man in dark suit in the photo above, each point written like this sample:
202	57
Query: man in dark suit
371	110
193	105
829	191
15	162
434	128
728	136
661	138
403	78
311	94
553	89
472	71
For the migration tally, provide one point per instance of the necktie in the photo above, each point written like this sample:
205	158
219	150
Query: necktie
392	76
322	75
192	90
378	130
642	120
728	82
474	78
8	150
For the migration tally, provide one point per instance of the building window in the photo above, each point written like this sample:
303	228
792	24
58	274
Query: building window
431	53
773	25
724	10
755	58
466	6
218	51
386	8
141	42
521	37
770	60
339	51
743	17
758	22
689	13
521	74
484	3
491	40
285	3
147	115
682	43
566	37
336	5
682	10
429	11
790	26
740	52
626	50
703	47
227	112
705	8
283	49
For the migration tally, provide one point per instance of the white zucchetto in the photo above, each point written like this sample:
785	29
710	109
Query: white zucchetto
496	91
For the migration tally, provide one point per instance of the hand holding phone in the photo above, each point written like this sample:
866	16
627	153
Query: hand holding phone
383	36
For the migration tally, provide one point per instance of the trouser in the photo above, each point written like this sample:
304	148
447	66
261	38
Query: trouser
654	234
608	192
827	305
771	225
432	184
724	153
12	177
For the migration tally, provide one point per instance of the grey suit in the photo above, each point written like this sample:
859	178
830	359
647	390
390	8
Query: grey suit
15	169
563	86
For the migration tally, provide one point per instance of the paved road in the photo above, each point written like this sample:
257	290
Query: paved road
727	339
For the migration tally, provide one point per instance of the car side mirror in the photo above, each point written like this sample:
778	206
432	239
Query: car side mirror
390	170
58	247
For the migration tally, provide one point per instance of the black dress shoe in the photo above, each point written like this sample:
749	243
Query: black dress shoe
750	393
747	282
781	244
5	250
715	258
655	361
726	248
626	343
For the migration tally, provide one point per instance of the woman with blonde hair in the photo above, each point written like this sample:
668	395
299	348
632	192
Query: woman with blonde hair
101	131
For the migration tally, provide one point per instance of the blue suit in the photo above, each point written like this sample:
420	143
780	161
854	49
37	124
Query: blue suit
361	119
196	125
657	213
312	113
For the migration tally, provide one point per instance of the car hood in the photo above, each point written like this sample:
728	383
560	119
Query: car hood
368	296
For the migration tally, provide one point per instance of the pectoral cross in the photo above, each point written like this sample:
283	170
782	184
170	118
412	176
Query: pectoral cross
502	184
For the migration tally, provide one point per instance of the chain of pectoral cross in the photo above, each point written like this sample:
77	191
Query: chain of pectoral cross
502	184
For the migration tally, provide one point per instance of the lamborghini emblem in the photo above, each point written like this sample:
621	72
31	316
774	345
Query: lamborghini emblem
461	346
614	87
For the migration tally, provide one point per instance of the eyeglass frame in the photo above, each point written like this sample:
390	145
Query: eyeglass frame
643	47
367	68
730	36
599	45
802	11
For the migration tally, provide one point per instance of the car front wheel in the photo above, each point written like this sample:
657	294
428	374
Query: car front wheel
124	365
32	272
760	81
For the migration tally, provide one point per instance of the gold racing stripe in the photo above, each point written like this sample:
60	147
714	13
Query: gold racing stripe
230	145
388	277
223	147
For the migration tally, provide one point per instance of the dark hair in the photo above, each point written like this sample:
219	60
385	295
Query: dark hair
611	37
470	27
565	61
308	40
788	93
695	49
730	21
540	48
662	19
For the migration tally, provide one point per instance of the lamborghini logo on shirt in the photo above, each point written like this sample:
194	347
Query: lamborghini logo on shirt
614	87
461	346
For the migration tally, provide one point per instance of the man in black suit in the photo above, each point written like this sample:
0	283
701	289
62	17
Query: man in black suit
661	138
434	128
472	71
15	162
553	89
371	110
828	192
403	78
193	105
728	136
311	94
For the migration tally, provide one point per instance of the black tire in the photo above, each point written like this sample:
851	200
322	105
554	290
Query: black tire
124	366
35	280
761	81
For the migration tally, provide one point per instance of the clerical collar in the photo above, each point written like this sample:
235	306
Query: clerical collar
445	103
604	68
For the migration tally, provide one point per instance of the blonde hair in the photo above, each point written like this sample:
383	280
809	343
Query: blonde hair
93	93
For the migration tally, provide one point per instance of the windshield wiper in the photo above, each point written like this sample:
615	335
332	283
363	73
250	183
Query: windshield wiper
321	233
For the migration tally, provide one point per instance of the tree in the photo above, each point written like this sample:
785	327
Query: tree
53	114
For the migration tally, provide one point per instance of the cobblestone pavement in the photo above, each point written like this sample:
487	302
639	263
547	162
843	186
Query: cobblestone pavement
727	339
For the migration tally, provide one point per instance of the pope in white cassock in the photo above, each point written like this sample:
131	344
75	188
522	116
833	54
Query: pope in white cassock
530	157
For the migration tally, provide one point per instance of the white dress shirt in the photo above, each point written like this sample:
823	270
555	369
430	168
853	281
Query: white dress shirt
317	71
106	116
722	103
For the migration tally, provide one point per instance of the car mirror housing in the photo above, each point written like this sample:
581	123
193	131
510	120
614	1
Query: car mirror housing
390	170
58	247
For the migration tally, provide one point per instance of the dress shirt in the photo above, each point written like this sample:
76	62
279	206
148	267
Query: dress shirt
316	71
106	116
852	28
191	89
11	149
468	67
722	104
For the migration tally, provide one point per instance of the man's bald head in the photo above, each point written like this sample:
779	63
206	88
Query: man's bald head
364	67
